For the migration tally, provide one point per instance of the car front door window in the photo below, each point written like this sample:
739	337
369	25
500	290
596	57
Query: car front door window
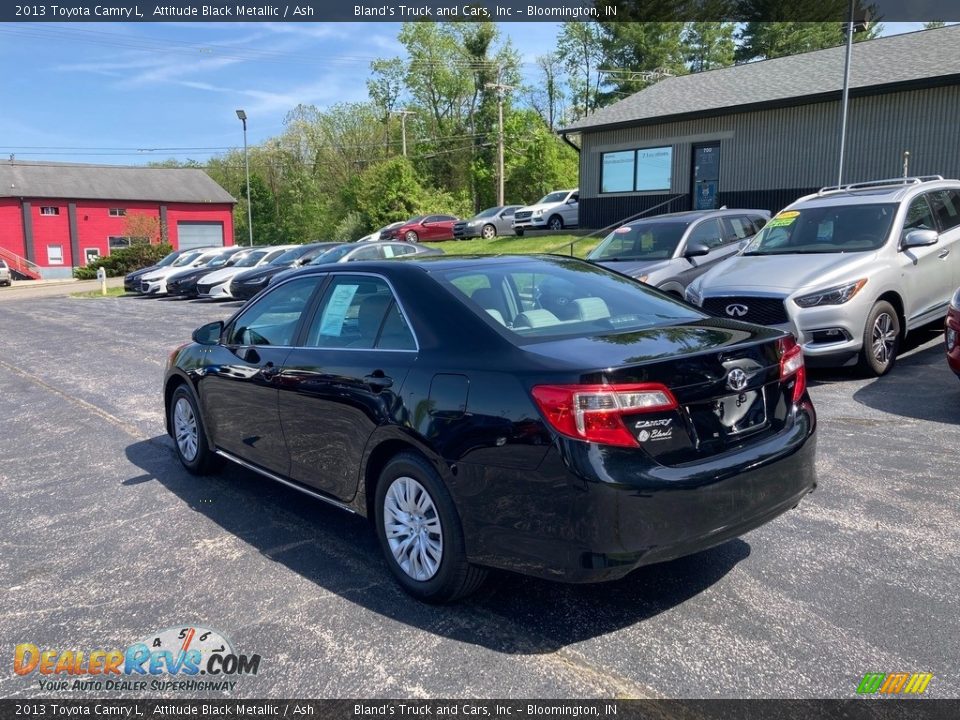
273	319
706	233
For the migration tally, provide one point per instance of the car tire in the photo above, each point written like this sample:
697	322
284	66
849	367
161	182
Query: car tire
189	438
518	232
426	551
411	236
881	340
555	223
488	232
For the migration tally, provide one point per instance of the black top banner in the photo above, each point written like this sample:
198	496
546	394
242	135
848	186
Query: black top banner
484	10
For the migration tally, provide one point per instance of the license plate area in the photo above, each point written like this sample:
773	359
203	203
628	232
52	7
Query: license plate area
729	417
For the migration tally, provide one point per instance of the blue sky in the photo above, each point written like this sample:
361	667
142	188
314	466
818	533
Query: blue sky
100	92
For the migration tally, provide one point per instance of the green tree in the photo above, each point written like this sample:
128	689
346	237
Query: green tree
709	45
933	24
546	95
636	55
766	40
538	161
580	48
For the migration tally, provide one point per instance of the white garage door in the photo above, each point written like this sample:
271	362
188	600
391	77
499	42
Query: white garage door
199	234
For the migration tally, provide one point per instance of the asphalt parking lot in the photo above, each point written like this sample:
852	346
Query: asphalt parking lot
105	540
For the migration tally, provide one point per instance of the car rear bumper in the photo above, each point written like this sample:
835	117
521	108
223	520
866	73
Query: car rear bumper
593	513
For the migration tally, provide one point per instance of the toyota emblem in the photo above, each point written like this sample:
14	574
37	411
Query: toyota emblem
736	310
736	379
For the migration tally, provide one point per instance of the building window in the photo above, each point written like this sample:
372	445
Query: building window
115	242
617	172
55	254
640	170
118	212
48	210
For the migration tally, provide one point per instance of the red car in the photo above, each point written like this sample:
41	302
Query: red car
953	334
427	227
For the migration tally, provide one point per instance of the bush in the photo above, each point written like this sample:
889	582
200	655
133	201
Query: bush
124	260
352	227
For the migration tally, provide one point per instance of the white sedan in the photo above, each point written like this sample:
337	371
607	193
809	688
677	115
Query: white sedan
216	285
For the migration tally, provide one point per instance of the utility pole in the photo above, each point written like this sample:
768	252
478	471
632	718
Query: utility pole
501	89
246	166
403	125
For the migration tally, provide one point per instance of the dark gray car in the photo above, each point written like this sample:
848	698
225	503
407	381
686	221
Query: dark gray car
487	224
670	251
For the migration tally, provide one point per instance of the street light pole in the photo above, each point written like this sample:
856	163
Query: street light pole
246	166
403	126
845	102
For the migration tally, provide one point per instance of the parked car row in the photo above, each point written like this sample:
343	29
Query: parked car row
238	272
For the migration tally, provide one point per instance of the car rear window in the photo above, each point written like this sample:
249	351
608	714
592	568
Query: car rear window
551	298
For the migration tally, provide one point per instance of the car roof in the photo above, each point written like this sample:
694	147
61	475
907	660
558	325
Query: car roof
414	264
692	215
872	194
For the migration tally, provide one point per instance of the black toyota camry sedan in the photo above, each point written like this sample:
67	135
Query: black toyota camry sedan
536	414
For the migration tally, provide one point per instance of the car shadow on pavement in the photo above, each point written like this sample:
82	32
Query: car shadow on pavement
920	386
339	553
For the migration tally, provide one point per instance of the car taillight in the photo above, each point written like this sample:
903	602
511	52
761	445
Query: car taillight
595	412
791	365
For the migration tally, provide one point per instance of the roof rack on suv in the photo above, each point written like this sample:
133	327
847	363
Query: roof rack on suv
879	183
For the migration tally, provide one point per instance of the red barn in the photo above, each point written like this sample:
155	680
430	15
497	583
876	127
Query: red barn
58	216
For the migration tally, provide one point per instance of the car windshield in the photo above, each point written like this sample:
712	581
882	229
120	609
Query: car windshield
252	259
168	259
650	240
827	229
547	298
185	259
489	212
220	260
288	257
332	255
553	197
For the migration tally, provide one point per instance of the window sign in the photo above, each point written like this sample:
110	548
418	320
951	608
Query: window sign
617	171
653	168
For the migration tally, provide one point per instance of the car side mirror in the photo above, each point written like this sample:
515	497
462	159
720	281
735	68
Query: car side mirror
920	238
208	334
696	250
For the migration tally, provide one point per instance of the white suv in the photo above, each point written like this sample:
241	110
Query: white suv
556	211
5	277
850	270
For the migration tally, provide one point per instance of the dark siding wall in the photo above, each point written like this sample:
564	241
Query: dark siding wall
771	157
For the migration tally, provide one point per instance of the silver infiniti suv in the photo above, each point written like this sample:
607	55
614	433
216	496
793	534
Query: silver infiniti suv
849	270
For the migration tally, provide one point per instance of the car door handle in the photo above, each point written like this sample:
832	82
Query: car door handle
269	371
944	253
377	381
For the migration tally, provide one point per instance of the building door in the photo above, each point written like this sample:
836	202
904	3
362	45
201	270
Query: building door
706	176
199	234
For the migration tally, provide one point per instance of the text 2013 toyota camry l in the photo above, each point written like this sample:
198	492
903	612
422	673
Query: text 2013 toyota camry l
538	414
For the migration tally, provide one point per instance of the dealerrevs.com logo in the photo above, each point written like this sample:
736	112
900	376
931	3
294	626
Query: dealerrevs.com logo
176	659
894	683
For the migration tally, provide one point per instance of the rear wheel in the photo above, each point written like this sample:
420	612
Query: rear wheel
420	534
411	236
556	223
188	434
881	339
489	232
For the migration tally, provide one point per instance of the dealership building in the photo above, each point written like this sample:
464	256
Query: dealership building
58	216
762	134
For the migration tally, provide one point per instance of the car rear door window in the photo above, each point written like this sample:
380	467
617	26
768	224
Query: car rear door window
360	313
273	319
946	206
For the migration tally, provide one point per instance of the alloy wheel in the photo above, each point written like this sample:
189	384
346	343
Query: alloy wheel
884	337
413	530
556	224
185	428
489	232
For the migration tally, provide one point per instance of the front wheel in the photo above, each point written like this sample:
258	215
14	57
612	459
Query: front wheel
881	339
556	223
188	435
518	232
489	232
411	236
420	534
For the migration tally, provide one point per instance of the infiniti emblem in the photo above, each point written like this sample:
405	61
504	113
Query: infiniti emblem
736	310
736	379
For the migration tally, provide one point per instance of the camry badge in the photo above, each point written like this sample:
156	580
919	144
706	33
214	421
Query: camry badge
736	379
736	310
